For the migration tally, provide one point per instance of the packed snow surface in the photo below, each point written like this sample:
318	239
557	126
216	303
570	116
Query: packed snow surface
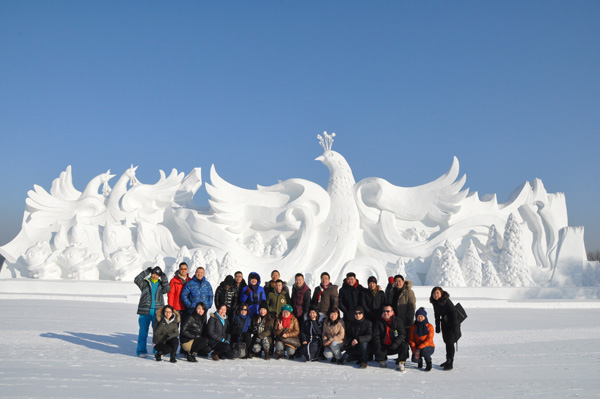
75	349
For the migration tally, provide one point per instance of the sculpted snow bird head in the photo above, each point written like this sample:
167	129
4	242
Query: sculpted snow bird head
340	174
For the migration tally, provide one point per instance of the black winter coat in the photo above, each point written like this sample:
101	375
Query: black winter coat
217	332
397	333
229	297
372	304
445	313
349	299
311	331
362	331
193	327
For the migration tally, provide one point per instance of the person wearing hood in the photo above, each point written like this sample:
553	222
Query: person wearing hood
325	296
401	296
333	337
227	294
262	331
253	294
277	299
388	338
372	300
241	328
165	333
177	283
153	284
193	334
310	335
286	333
445	314
359	335
350	296
420	339
219	338
197	290
270	285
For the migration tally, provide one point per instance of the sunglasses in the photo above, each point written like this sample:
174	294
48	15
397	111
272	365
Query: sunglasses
388	311
244	309
358	313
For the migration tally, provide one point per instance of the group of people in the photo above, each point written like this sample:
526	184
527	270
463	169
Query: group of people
349	324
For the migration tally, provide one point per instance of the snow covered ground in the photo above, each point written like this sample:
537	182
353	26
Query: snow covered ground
75	349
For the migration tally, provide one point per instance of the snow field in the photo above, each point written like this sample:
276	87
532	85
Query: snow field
72	349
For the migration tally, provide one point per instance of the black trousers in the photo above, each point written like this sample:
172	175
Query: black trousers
223	349
169	346
384	351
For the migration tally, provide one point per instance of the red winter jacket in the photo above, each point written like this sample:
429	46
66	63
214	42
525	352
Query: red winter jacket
174	295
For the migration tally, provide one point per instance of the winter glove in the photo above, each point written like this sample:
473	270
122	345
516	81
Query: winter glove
437	329
149	270
391	280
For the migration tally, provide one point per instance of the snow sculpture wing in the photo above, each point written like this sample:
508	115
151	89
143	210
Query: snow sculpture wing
434	201
266	208
148	201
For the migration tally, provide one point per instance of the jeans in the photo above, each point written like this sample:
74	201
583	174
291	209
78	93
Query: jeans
280	347
333	350
426	353
360	351
144	321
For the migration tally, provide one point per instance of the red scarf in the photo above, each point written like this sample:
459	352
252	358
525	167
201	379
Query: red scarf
286	321
323	288
388	338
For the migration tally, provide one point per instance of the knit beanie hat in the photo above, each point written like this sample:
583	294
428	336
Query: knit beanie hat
422	312
372	279
287	307
263	305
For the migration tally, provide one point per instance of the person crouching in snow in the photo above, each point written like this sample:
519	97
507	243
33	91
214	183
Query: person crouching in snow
193	334
286	333
333	337
219	337
166	332
262	329
388	338
310	335
420	339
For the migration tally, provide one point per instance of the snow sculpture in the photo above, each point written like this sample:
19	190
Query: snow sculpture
367	226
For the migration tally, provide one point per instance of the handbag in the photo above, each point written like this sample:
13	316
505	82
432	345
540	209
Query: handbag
239	350
461	315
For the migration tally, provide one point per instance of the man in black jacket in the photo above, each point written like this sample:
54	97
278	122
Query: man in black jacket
372	300
350	296
388	338
359	334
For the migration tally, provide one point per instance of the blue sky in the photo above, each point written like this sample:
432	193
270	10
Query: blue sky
511	88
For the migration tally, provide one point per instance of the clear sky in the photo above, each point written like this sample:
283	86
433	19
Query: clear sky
512	88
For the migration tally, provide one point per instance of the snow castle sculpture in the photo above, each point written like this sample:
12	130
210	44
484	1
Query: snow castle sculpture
437	232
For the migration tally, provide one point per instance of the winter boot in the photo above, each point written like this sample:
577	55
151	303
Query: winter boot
428	366
191	358
172	359
444	364
341	361
267	355
401	367
420	363
215	356
448	365
158	356
383	364
363	365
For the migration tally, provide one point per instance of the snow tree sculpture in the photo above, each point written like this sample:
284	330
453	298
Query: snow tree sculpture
255	245
493	245
512	267
280	246
228	265
490	276
212	267
471	266
446	272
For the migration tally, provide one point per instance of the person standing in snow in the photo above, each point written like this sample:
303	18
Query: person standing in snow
270	285
325	296
165	333
445	315
300	298
277	299
177	283
350	297
197	290
227	294
253	294
153	284
372	300
420	339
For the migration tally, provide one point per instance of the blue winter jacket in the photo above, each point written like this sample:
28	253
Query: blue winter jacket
252	299
196	291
